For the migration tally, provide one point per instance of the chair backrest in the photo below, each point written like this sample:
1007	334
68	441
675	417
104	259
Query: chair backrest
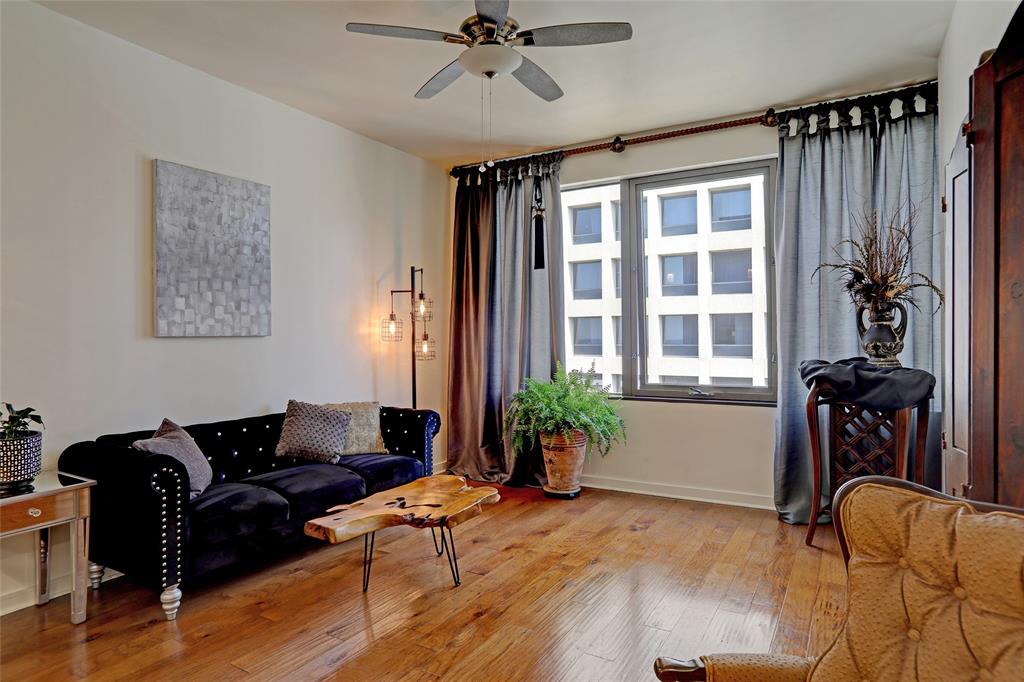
935	588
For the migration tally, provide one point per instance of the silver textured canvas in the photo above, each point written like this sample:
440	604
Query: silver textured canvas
212	253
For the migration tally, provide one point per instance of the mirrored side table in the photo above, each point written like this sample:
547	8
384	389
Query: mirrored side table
51	500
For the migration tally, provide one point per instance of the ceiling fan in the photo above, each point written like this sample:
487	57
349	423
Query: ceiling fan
489	36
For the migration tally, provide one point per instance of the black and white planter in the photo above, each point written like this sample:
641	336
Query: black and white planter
21	459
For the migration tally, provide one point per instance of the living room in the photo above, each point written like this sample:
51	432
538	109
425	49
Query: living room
282	295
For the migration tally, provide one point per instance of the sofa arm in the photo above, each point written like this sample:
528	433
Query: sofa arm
735	668
138	509
410	433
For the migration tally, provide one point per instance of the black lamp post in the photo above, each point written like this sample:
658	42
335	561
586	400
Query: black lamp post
422	346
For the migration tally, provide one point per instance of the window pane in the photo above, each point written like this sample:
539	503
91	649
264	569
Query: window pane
617	219
617	384
586	279
617	330
734	382
678	380
617	276
732	335
730	209
586	335
731	272
586	224
678	215
643	216
679	335
679	275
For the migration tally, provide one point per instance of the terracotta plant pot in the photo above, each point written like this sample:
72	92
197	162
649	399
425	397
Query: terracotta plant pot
563	462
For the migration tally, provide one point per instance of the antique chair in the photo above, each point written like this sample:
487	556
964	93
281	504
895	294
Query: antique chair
935	593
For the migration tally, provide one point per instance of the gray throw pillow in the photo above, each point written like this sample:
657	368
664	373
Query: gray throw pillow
364	430
173	441
313	432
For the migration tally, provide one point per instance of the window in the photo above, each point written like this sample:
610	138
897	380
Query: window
732	381
586	335
732	335
586	280
692	316
677	380
679	275
617	218
731	272
679	214
730	209
586	224
679	335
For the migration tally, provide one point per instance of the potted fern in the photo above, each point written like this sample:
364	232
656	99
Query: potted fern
21	448
572	414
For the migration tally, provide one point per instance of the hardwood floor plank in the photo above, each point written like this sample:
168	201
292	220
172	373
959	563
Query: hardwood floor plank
592	589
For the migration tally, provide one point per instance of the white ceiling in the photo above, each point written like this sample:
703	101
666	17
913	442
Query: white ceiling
687	61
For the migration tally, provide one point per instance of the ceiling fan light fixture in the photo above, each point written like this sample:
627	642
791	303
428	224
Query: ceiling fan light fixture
490	60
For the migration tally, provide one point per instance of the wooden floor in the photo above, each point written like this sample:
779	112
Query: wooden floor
592	589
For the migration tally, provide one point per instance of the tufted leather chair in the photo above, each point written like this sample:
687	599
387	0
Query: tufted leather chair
935	593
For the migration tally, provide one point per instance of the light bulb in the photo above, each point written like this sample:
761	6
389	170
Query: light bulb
423	307
391	327
425	347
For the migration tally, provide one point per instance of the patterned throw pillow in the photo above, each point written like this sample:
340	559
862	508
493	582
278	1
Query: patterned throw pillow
313	432
364	430
173	441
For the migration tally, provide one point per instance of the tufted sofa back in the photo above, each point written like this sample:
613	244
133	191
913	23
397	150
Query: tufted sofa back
935	590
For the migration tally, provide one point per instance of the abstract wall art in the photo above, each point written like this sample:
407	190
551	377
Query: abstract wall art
212	248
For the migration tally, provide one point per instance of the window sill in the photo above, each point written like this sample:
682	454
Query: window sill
697	399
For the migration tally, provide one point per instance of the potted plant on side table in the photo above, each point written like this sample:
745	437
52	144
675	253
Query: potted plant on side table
21	448
572	414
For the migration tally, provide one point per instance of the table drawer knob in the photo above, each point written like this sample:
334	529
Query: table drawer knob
35	512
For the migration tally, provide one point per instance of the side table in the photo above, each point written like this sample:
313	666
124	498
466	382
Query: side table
51	500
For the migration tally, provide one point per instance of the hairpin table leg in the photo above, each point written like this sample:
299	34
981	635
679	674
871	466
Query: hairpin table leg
368	541
453	559
439	548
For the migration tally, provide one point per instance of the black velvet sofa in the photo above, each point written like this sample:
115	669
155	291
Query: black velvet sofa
144	525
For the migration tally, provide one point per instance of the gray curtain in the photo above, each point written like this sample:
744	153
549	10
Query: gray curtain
837	164
506	309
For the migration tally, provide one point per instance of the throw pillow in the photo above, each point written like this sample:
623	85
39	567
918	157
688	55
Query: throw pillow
313	432
364	430
173	441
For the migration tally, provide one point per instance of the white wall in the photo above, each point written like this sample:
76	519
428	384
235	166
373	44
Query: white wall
720	453
83	116
973	28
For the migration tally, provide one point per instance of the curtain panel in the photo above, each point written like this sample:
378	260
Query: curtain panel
837	164
506	322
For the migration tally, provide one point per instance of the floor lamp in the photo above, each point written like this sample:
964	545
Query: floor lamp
422	311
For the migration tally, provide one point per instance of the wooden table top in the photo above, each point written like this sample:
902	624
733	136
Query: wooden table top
432	501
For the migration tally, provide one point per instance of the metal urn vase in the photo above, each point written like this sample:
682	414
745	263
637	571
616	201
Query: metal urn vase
563	463
21	460
882	340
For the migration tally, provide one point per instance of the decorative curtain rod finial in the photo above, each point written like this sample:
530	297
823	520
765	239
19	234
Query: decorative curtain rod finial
770	118
618	145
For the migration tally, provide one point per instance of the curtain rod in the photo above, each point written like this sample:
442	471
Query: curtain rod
769	119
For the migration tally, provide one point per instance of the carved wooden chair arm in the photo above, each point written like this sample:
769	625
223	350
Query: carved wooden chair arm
735	668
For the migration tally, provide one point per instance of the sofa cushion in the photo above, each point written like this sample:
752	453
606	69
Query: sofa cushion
313	432
173	441
231	510
383	471
311	489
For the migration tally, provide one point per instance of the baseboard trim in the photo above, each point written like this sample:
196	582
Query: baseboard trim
23	597
680	492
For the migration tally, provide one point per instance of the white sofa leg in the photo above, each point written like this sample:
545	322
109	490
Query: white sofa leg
170	600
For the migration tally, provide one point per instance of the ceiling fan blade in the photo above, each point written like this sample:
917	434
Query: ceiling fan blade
575	34
441	80
537	81
404	32
494	11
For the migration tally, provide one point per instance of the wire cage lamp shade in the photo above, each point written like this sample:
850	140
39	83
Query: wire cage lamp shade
425	347
391	328
423	308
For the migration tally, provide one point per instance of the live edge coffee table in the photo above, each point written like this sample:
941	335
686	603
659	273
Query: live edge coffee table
432	502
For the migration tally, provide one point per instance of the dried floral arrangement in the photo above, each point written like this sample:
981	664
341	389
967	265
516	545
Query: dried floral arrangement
878	274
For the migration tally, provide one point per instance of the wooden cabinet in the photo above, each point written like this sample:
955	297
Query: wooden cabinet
995	133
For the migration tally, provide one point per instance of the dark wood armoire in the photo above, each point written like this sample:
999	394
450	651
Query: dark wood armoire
984	455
